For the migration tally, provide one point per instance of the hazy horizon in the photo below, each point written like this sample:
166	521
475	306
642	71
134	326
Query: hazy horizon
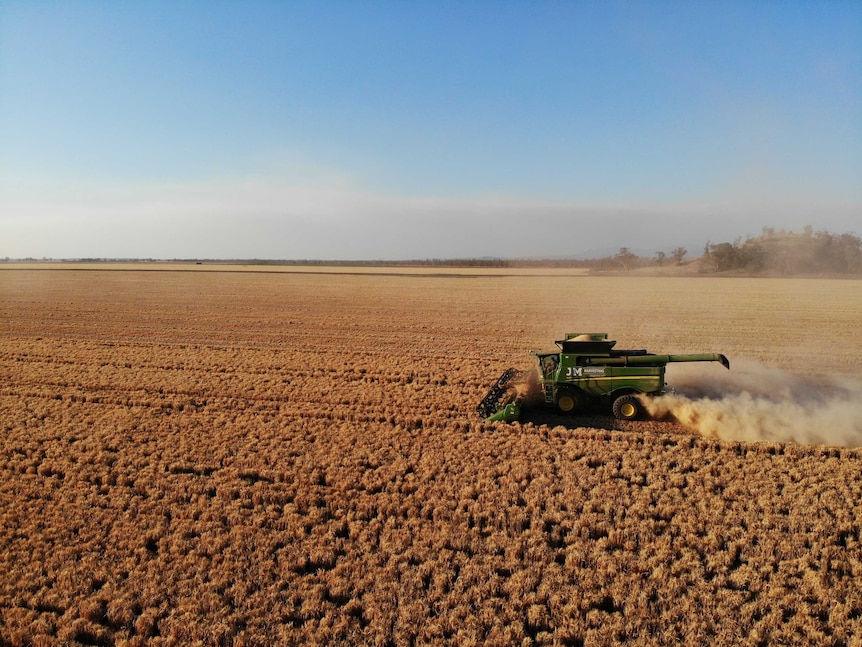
395	131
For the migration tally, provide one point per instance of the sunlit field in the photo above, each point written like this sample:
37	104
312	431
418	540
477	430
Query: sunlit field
222	456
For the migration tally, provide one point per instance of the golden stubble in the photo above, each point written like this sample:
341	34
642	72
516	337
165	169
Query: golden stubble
235	458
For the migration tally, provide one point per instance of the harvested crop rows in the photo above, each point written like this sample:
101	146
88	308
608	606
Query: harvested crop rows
279	458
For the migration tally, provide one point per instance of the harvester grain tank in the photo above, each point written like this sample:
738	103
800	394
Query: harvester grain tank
584	372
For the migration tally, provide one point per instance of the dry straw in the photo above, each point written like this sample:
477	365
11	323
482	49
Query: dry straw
171	473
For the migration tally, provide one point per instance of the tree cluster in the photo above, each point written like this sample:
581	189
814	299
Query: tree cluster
787	253
774	252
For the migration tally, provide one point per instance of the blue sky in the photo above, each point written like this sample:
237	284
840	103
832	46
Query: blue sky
423	129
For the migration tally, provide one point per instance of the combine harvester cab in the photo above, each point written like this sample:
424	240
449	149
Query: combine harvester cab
586	371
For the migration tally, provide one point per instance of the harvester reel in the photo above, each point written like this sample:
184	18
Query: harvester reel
500	394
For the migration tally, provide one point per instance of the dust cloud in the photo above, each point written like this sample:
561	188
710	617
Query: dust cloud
754	402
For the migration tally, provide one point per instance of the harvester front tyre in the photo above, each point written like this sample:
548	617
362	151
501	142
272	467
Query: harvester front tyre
628	407
568	401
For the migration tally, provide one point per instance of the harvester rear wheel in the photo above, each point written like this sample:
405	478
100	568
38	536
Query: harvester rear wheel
568	401
628	407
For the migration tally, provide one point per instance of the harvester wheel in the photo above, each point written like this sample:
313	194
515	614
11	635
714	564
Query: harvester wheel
568	401
628	407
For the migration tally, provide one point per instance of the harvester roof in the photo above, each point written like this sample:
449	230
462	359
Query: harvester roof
586	343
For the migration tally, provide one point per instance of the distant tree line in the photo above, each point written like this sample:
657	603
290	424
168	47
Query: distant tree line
773	252
625	260
785	253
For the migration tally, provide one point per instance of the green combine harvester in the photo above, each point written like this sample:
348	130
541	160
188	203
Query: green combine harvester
585	372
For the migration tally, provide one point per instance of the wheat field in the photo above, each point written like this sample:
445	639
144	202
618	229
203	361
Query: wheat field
220	456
